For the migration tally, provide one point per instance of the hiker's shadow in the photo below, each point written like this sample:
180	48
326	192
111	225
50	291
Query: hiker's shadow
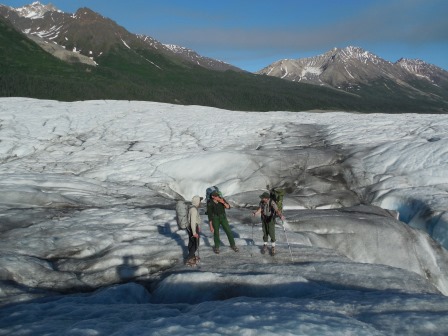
206	240
253	223
179	236
128	269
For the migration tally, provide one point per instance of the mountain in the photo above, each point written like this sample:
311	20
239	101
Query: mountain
335	68
35	10
194	57
352	66
356	70
122	66
102	60
90	34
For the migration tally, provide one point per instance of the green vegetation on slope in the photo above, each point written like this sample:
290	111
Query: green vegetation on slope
141	74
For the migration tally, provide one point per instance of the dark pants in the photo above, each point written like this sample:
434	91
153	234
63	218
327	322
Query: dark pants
193	244
268	224
218	221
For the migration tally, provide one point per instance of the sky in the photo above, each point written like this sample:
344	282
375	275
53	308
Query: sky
251	34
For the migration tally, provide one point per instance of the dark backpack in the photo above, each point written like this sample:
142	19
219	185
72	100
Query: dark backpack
209	191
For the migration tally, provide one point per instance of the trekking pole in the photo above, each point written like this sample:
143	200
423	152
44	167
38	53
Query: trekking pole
197	242
253	241
289	246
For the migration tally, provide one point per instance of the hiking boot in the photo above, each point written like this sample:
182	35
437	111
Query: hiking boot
216	250
191	262
235	248
272	250
264	249
197	258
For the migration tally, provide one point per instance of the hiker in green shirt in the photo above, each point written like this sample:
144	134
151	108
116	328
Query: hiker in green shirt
216	211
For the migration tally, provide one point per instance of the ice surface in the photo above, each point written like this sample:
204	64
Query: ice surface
89	244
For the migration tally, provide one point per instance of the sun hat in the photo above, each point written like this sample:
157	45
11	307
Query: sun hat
265	195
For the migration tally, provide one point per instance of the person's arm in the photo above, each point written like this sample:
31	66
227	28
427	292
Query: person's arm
256	212
227	205
277	211
224	202
193	213
281	215
209	211
210	224
209	215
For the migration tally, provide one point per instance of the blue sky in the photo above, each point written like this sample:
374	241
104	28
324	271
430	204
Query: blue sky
251	34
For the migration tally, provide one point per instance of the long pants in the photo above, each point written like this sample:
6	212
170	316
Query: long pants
218	221
268	225
193	244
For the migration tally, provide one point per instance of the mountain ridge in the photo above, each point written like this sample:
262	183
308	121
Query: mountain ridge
352	66
26	70
91	34
123	65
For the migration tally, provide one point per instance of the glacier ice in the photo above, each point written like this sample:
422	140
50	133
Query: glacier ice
90	245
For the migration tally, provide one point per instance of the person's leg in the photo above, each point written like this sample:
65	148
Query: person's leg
265	227
216	224
271	228
190	243
272	235
194	248
265	236
227	230
191	247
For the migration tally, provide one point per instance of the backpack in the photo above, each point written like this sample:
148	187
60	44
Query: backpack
209	191
276	194
182	210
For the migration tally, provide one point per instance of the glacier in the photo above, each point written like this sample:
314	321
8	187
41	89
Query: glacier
90	244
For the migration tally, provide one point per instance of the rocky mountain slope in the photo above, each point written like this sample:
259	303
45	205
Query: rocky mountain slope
103	60
26	70
90	34
352	69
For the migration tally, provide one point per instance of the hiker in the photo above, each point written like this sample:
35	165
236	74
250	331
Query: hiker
216	211
268	209
193	229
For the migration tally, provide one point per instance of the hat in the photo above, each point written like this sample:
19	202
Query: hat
265	195
214	193
196	200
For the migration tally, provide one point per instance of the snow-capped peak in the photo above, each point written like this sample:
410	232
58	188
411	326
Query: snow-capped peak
36	10
177	49
357	53
412	65
193	56
422	69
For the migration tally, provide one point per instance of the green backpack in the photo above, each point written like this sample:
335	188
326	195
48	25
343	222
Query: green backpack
277	194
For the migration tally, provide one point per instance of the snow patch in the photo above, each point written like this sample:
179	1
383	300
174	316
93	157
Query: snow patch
311	70
126	45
